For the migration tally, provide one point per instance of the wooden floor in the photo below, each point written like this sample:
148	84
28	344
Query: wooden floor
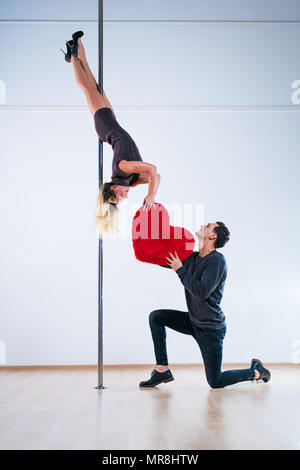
59	409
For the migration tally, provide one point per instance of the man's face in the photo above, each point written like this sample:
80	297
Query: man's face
206	232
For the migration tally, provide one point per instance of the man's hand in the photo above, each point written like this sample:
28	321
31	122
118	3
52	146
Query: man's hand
174	261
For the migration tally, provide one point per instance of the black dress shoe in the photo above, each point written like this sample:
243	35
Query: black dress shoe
157	378
264	374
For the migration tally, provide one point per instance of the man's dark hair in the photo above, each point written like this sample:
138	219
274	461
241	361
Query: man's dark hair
223	235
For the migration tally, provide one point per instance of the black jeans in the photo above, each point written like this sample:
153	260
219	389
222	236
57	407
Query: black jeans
210	343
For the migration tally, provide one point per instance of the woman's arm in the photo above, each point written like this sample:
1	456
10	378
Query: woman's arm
141	167
157	183
143	179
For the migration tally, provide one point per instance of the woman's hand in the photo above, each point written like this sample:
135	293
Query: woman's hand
148	202
174	261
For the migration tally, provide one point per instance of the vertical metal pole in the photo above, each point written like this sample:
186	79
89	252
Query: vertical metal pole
100	252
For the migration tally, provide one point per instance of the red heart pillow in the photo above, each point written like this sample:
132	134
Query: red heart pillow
153	236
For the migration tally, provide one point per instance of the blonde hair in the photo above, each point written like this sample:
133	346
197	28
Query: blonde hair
106	213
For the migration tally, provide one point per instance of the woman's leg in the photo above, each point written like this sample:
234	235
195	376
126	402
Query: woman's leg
82	57
83	80
87	82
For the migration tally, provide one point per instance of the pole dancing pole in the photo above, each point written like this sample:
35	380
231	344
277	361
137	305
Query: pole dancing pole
100	249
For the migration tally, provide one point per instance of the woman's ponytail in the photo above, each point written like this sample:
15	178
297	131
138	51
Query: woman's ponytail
106	213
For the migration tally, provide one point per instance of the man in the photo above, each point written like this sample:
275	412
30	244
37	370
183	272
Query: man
203	275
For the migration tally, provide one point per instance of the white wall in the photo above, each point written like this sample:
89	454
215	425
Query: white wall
209	104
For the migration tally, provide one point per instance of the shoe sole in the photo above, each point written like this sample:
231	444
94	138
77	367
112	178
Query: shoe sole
261	364
160	382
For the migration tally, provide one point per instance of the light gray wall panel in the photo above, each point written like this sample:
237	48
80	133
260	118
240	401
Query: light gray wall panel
153	10
242	166
237	165
155	64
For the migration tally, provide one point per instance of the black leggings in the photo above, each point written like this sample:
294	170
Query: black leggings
210	343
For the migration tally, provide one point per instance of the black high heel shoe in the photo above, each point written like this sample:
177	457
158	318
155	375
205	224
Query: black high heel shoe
67	54
74	47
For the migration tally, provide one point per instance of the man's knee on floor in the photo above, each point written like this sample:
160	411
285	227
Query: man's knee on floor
215	382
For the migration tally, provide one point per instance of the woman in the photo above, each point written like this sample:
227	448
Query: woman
128	168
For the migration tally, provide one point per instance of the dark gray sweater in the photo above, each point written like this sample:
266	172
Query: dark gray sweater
204	279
